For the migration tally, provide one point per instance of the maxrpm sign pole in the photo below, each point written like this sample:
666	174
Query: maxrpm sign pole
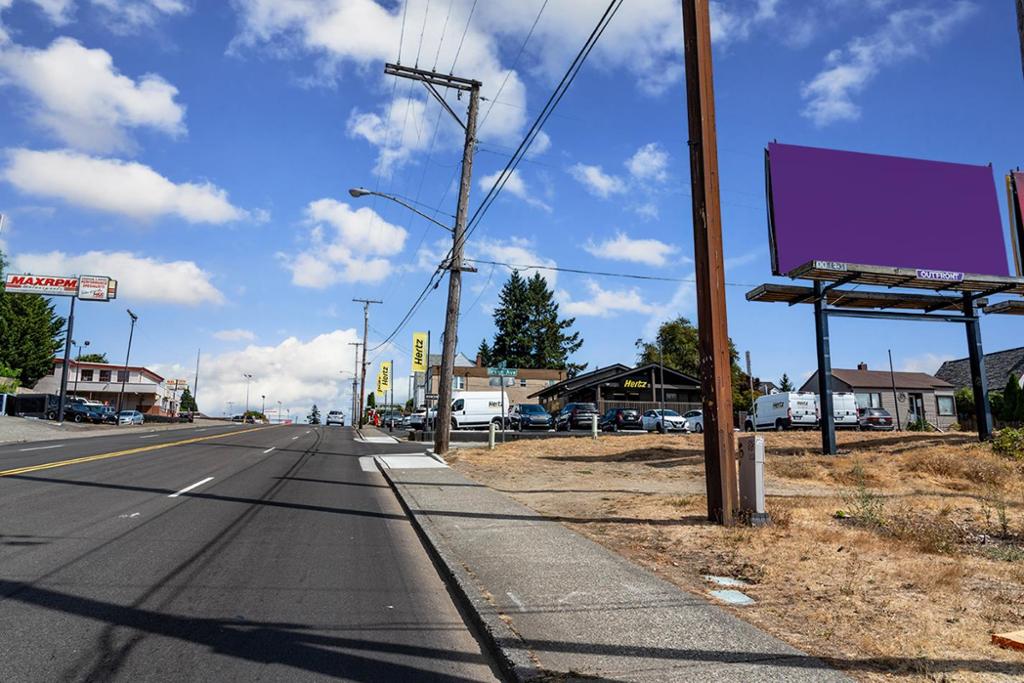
64	369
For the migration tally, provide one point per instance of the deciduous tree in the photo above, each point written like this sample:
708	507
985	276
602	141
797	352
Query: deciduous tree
31	333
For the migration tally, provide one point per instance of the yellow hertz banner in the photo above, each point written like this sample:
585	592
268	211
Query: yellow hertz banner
419	351
384	378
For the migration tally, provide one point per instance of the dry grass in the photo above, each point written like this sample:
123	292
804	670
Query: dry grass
914	593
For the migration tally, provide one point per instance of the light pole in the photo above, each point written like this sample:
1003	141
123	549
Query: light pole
279	412
358	192
127	355
78	361
264	411
248	378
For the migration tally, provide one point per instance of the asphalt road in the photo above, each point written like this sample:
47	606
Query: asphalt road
283	561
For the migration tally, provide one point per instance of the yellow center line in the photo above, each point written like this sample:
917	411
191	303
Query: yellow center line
117	454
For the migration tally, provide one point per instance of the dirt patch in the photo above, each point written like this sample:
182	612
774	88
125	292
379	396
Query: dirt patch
899	558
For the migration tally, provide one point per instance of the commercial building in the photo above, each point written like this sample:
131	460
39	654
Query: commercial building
144	390
917	395
998	368
474	377
620	386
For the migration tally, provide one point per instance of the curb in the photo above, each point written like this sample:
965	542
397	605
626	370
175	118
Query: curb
509	650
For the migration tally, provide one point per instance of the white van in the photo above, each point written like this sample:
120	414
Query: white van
788	410
844	409
475	409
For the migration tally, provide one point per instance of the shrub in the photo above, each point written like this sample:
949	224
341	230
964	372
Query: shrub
920	425
1009	443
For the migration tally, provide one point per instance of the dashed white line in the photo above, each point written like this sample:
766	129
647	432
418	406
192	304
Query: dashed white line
151	436
269	449
189	488
39	448
294	437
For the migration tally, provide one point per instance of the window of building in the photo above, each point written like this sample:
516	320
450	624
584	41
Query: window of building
458	383
869	400
947	405
86	375
522	382
122	375
104	375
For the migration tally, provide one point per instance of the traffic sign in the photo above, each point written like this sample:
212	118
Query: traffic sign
432	397
502	371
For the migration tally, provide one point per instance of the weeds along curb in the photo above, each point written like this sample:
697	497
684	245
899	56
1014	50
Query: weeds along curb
509	650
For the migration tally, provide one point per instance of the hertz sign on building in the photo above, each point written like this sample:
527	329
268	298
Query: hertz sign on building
620	386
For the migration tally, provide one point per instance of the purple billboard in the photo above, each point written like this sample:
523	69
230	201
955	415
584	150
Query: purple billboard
848	207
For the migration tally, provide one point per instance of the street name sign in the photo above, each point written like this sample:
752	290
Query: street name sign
502	371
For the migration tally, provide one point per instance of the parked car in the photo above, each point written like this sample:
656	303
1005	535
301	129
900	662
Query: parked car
335	417
694	421
844	409
529	416
876	419
615	419
663	421
108	415
418	420
78	411
786	410
130	417
237	418
575	416
391	418
477	409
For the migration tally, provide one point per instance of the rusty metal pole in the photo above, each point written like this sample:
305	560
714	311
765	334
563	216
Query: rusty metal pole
715	360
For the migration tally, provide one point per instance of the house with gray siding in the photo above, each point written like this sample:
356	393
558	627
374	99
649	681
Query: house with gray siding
998	368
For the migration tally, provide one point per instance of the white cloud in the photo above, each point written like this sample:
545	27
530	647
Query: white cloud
732	22
297	372
622	247
237	334
131	16
649	163
596	181
906	33
928	362
519	252
139	278
515	186
121	187
84	100
605	303
355	249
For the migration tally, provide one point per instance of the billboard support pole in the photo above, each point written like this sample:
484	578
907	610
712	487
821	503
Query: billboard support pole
64	370
827	418
979	381
709	261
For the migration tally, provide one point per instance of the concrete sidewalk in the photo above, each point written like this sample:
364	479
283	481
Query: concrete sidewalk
556	605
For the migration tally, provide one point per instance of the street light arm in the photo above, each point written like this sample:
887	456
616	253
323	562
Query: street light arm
358	192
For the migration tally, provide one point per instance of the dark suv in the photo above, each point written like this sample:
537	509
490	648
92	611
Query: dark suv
575	416
615	419
529	416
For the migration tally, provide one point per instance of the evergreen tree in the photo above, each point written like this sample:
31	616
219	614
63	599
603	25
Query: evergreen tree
483	352
1011	399
512	342
785	384
551	336
94	358
371	400
314	415
188	403
31	333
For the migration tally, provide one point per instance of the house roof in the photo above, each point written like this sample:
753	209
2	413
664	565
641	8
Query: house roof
574	383
523	373
612	373
880	379
998	367
461	360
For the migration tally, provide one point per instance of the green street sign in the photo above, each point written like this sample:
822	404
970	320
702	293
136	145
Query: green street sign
502	371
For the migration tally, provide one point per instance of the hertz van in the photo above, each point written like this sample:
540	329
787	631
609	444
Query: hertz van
844	409
476	409
787	410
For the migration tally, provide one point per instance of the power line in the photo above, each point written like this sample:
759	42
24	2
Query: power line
515	63
401	35
426	13
444	30
582	271
463	39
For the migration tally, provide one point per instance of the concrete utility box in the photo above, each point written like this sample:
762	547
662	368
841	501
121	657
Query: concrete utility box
752	480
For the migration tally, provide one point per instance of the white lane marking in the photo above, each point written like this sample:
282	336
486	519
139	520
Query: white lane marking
200	430
269	449
151	436
366	464
189	488
294	437
308	431
519	603
127	516
39	448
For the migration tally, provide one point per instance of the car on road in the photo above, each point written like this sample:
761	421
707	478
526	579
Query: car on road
616	419
663	420
130	417
876	419
335	417
237	418
575	416
524	416
694	421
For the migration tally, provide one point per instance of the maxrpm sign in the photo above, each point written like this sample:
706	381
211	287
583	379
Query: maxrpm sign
47	285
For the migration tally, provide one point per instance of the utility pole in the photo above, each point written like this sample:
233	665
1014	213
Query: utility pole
195	385
355	381
127	356
362	372
432	80
750	379
715	361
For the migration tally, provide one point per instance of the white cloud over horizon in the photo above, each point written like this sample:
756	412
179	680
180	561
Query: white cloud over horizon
622	247
237	334
596	181
515	186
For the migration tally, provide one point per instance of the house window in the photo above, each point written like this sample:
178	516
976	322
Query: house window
458	383
86	375
104	375
522	382
869	400
947	406
122	375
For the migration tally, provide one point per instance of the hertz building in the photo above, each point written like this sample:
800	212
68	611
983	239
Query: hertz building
620	386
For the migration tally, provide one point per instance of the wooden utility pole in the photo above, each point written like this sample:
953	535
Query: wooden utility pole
432	80
362	372
355	381
715	361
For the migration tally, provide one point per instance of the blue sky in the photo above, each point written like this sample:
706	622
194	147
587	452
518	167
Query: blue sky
201	153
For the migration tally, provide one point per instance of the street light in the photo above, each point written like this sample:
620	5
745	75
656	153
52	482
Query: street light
124	376
264	411
78	361
358	192
279	412
248	378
